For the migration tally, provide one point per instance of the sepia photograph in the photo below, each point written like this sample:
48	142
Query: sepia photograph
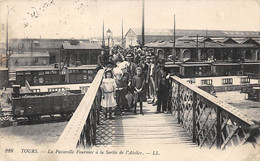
115	80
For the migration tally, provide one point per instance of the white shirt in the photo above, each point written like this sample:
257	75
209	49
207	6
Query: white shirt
151	72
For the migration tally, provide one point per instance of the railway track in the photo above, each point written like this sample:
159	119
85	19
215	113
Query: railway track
7	119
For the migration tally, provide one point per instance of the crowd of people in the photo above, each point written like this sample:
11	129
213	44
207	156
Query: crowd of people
132	77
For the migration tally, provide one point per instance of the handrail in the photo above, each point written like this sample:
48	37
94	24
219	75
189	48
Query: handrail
27	85
209	120
80	130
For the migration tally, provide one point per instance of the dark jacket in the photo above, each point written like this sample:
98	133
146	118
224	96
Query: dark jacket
161	80
144	69
131	70
139	83
102	60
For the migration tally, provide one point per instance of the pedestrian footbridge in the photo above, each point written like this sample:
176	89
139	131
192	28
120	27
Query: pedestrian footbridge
198	119
148	129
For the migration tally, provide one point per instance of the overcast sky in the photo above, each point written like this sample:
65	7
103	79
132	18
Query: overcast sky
83	18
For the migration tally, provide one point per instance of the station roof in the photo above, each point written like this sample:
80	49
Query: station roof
195	65
191	43
36	68
82	46
189	32
83	67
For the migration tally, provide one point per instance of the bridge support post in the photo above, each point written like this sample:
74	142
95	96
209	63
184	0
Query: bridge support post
94	125
194	104
218	137
178	103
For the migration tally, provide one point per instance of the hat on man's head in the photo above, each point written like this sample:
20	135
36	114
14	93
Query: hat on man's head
129	56
142	58
148	57
138	69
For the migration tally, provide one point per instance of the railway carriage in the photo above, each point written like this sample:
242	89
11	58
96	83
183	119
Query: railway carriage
38	76
80	74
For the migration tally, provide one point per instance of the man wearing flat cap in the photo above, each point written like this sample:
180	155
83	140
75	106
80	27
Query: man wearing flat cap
131	65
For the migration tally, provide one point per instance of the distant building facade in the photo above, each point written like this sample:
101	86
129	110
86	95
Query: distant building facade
52	46
215	53
29	59
76	53
134	35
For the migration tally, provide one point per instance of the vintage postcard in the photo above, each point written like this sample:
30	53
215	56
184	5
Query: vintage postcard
175	80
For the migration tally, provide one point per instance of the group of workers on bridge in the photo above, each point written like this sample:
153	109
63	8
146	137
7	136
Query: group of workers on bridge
132	77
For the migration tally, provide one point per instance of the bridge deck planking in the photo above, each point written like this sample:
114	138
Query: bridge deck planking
147	129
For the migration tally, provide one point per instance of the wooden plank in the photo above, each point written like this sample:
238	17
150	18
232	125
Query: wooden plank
150	128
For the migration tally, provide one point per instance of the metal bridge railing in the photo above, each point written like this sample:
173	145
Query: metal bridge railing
209	121
80	131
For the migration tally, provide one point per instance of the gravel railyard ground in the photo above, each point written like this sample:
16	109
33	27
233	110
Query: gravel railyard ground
238	100
37	134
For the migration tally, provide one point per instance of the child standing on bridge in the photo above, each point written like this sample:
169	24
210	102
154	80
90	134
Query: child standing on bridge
138	83
108	87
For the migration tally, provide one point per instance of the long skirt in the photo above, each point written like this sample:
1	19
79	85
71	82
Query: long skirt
108	100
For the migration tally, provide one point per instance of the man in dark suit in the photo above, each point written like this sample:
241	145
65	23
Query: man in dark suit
102	60
143	66
162	87
131	68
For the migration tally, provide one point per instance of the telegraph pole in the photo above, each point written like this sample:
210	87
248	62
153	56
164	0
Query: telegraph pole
122	33
7	45
197	44
143	26
103	36
31	56
174	50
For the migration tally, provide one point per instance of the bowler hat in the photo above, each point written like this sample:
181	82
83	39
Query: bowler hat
138	68
142	57
129	56
148	57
